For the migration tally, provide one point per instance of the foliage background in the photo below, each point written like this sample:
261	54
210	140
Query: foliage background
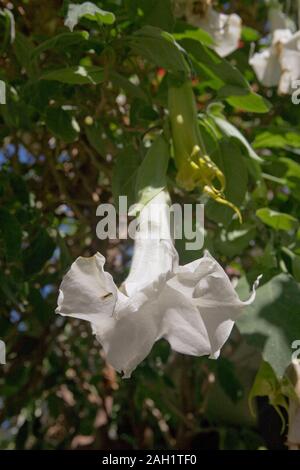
69	142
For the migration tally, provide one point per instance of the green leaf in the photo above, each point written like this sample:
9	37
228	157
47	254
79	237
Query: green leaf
293	262
184	30
234	242
227	79
7	25
89	11
124	175
272	322
159	48
267	384
151	176
16	113
11	234
60	42
277	138
288	170
251	102
39	251
62	124
231	162
39	93
231	131
250	34
79	75
277	220
95	137
214	66
8	289
23	49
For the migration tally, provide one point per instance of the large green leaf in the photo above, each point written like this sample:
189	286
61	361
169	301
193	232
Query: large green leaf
235	242
214	66
79	75
288	171
38	93
124	175
184	30
277	220
23	49
267	384
250	101
159	48
272	322
250	34
227	79
7	25
60	42
277	138
95	135
231	131
16	113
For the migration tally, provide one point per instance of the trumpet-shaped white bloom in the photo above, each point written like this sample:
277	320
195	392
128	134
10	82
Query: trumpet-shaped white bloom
224	29
279	64
193	306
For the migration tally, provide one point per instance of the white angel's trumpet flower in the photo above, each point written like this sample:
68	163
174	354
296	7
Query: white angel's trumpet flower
224	29
279	64
193	307
266	64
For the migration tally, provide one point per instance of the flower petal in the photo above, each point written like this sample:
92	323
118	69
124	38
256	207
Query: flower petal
126	327
87	292
267	67
228	40
154	251
208	311
280	63
225	29
182	326
136	327
290	64
150	259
